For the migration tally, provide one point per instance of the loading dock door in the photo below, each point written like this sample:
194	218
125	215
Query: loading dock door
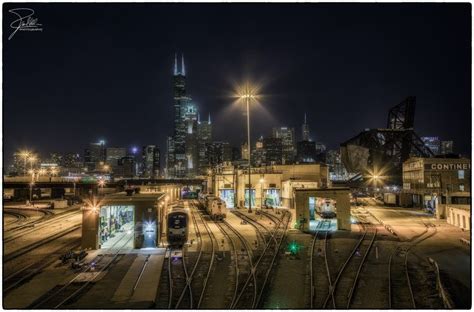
149	235
116	226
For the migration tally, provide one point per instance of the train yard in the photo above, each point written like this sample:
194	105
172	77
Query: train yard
237	262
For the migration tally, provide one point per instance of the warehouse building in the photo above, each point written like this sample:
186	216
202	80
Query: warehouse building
123	221
433	183
303	187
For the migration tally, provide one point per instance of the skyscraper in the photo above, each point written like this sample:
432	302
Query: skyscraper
113	155
151	161
306	152
94	154
184	148
305	130
287	136
218	152
273	150
204	134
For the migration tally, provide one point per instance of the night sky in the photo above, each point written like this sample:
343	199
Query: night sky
100	71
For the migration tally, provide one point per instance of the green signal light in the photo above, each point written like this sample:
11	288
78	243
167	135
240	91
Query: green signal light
294	247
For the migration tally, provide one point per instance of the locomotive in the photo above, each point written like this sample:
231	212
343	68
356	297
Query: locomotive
177	232
214	206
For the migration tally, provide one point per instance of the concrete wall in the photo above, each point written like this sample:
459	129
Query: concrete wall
90	228
343	207
459	216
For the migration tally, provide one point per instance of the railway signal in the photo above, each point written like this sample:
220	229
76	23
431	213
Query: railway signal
294	248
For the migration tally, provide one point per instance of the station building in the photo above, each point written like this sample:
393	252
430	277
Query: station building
278	185
124	220
434	183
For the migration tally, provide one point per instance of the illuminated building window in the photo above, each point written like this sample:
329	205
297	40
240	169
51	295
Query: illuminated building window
460	174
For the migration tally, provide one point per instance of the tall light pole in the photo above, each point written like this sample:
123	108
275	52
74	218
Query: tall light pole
25	155
248	94
32	159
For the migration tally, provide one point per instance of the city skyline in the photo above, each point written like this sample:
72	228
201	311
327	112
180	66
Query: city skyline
240	156
130	103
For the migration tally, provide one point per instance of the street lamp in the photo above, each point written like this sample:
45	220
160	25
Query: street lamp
32	159
54	171
32	183
375	176
25	155
248	94
101	184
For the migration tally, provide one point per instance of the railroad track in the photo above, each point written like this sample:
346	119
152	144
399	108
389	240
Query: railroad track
319	244
184	290
48	219
19	252
19	217
262	267
242	268
17	278
262	231
74	288
345	284
400	289
202	283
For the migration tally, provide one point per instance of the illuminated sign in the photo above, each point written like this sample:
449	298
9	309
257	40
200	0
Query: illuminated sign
452	166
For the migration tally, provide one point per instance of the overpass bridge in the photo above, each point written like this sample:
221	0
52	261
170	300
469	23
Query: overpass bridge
20	187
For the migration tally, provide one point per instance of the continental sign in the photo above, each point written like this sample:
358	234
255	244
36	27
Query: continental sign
452	166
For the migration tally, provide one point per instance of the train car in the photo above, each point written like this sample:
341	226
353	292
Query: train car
204	199
216	208
189	195
178	227
328	209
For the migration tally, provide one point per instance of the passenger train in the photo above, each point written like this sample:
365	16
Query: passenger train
214	206
178	227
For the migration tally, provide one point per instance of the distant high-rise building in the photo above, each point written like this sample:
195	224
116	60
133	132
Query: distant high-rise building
236	155
55	158
306	152
245	151
113	155
94	155
126	167
258	153
184	150
446	147
204	137
287	136
305	130
433	143
21	167
71	163
151	161
273	151
218	153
